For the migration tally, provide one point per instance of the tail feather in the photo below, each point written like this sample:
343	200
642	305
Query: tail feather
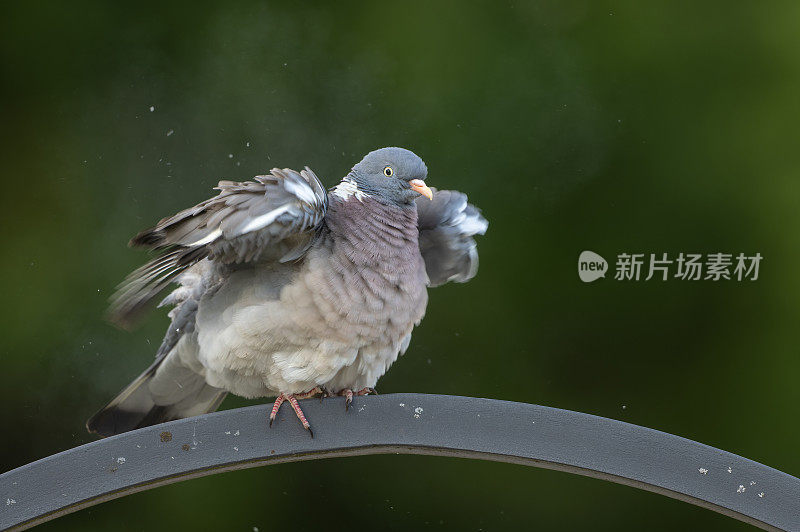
135	407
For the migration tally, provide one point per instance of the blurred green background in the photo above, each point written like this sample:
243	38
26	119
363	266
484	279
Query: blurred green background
617	127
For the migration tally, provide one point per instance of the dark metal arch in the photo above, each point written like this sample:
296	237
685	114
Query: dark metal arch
402	423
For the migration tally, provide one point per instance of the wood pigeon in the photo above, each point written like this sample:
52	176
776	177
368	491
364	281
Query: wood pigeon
288	290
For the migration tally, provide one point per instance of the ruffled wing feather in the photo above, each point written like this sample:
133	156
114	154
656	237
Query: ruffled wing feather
274	217
446	229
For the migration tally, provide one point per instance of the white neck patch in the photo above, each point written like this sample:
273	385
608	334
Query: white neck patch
347	189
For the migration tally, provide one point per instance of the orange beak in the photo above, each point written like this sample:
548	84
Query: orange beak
419	186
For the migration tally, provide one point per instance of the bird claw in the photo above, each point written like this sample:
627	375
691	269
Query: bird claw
348	395
348	399
292	398
324	392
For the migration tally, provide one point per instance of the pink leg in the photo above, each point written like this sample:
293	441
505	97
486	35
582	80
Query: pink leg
276	405
311	393
292	398
348	394
299	412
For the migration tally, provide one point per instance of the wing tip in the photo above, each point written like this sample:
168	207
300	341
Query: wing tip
149	238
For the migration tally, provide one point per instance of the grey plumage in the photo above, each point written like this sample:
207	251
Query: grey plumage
446	227
284	287
274	217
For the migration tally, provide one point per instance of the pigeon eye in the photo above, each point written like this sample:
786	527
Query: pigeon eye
388	172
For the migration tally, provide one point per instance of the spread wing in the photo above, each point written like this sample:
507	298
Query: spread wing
446	227
273	217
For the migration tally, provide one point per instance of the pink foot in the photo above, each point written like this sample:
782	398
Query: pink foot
292	398
348	394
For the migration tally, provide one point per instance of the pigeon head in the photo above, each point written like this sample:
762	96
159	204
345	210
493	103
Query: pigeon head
391	175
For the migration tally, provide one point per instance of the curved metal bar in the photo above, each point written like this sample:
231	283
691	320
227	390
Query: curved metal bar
401	423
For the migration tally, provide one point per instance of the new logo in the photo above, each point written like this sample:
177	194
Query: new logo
591	266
